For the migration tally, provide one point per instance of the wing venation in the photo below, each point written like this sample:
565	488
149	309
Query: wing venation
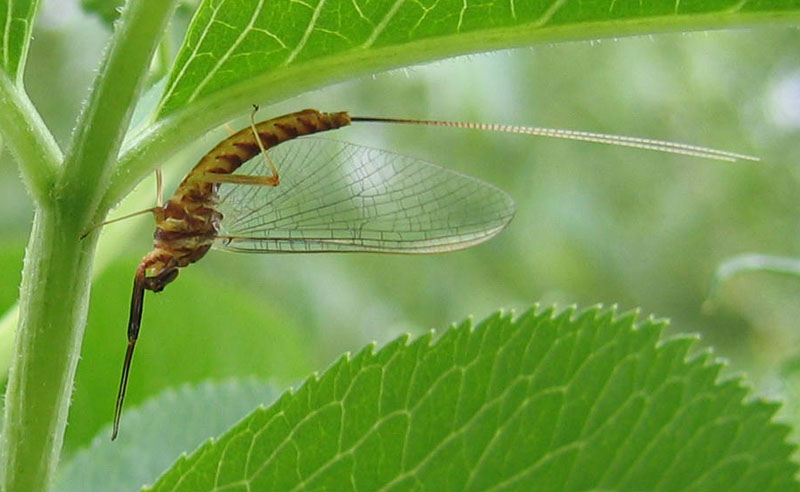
337	196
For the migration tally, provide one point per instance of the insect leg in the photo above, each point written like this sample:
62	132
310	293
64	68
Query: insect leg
240	179
101	224
264	153
159	187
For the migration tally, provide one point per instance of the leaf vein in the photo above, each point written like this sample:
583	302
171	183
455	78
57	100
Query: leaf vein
549	13
171	89
553	454
7	33
307	34
655	438
383	23
273	36
201	85
464	7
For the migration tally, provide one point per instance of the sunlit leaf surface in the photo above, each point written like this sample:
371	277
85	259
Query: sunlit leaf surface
546	402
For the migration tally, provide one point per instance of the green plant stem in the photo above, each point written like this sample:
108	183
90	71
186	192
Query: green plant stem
28	138
53	300
109	247
105	120
56	277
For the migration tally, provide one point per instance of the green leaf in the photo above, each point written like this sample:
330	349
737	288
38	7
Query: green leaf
286	47
16	17
158	431
546	402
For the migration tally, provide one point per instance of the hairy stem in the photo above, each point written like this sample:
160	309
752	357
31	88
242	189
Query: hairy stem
104	122
53	301
29	140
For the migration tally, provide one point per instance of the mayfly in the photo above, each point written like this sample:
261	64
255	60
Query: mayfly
317	195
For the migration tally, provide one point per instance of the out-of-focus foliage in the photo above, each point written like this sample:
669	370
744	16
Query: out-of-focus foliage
216	337
108	10
159	431
594	224
11	263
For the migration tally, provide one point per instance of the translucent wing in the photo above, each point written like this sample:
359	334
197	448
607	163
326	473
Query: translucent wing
336	196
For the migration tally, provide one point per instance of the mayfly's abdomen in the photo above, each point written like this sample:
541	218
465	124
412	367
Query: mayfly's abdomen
189	221
242	146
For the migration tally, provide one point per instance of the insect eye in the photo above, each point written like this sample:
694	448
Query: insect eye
158	282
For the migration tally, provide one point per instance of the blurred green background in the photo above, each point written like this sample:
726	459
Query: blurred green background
595	224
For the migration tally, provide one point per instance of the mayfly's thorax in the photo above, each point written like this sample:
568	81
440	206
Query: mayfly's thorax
186	229
188	224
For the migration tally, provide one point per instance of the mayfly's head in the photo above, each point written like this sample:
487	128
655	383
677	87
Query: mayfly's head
156	283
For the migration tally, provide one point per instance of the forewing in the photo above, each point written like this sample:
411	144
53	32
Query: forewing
336	196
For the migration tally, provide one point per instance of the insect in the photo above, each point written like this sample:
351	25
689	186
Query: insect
327	196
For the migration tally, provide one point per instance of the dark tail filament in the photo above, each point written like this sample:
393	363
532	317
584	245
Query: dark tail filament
137	302
603	138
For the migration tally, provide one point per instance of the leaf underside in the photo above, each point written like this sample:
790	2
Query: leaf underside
234	43
239	52
545	402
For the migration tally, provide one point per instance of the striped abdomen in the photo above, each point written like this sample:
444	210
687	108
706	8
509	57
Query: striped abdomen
188	222
242	146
